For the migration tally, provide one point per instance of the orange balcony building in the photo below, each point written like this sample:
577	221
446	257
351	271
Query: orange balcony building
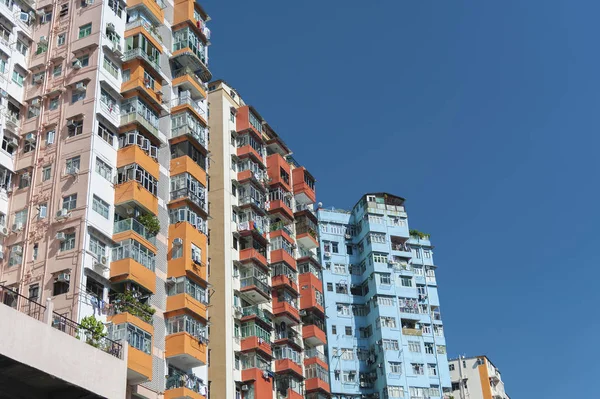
185	351
127	269
279	171
188	264
304	186
134	192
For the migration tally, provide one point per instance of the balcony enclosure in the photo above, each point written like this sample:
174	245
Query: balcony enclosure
186	148
179	379
184	285
282	225
135	172
255	310
248	139
185	185
308	267
279	269
132	224
287	352
248	194
315	370
250	220
253	276
251	329
400	244
134	137
184	123
253	360
305	225
133	108
257	171
287	297
281	243
187	38
139	44
136	251
279	194
313	319
186	214
250	243
186	323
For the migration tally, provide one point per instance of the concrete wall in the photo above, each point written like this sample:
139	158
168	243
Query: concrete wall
38	345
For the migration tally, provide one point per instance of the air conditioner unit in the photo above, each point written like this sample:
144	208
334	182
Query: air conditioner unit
18	250
302	312
71	123
80	86
245	387
17	227
110	27
348	237
117	49
178	242
4	230
63	277
37	79
77	64
43	40
13	142
36	102
30	137
102	261
63	213
171	280
60	236
327	254
72	170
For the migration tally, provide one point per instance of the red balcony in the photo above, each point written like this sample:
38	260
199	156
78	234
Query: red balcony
283	281
255	290
291	394
263	385
242	120
249	151
255	343
312	281
315	357
251	254
313	335
316	384
281	255
279	171
304	186
287	366
249	176
286	311
279	207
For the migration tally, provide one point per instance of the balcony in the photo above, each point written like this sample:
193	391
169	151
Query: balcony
313	335
130	270
138	119
185	164
185	351
155	7
138	53
287	366
193	198
287	311
281	255
187	79
263	387
251	254
252	226
139	363
182	103
251	286
281	208
188	54
128	226
304	186
313	355
199	136
184	386
185	302
279	171
412	331
133	191
148	28
185	265
316	384
256	343
284	281
254	312
250	146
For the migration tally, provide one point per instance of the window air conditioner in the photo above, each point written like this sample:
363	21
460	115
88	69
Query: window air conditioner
4	230
77	64
18	250
178	242
80	86
60	236
37	79
102	260
71	123
17	227
73	170
327	254
30	137
110	27
63	277
245	387
63	213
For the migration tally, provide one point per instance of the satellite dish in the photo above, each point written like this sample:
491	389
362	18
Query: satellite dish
320	204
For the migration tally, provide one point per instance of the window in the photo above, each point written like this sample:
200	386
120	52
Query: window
73	165
349	377
406	281
126	75
74	127
83	61
441	349
97	247
329	286
18	78
426	329
432	369
414	346
20	218
136	337
43	210
427	254
343	309
7	144
60	40
16	255
46	17
388	322
53	103
70	202
177	252
94	287
64	10
395	367
349	249
348	330
22	48
390	345
417	369
334	247
69	242
85	30
50	134
33	112
339	268
24	180
61	284
104	169
333	329
36	248
347	354
384	300
380	258
46	172
385	278
77	96
100	206
429	348
34	292
110	67
451	367
395	392
57	70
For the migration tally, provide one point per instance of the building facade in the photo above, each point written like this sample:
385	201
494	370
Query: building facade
105	123
385	336
267	314
476	378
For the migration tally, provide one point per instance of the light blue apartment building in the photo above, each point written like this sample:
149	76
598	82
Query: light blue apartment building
384	330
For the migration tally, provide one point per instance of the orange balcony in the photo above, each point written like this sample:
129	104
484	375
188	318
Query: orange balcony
318	359
316	384
187	80
249	151
129	270
183	302
313	335
186	12
132	191
242	120
286	365
155	8
134	235
182	393
286	311
279	207
304	185
134	154
185	351
309	284
247	175
255	343
279	229
144	29
122	318
188	106
138	84
279	171
263	387
252	254
307	238
139	364
186	164
291	394
185	265
281	255
284	281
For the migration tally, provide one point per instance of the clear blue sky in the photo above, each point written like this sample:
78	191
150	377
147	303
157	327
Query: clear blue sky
484	115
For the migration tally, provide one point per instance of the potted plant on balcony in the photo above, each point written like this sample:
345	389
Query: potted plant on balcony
419	234
151	223
129	302
92	330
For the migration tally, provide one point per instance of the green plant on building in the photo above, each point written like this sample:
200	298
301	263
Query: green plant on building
129	302
151	223
419	234
91	330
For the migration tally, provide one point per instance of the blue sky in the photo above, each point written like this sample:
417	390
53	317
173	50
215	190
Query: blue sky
484	115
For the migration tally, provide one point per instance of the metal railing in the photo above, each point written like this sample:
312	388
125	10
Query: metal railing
187	193
178	379
314	353
149	27
258	312
251	280
189	72
189	101
138	52
28	306
134	225
184	130
281	226
136	117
